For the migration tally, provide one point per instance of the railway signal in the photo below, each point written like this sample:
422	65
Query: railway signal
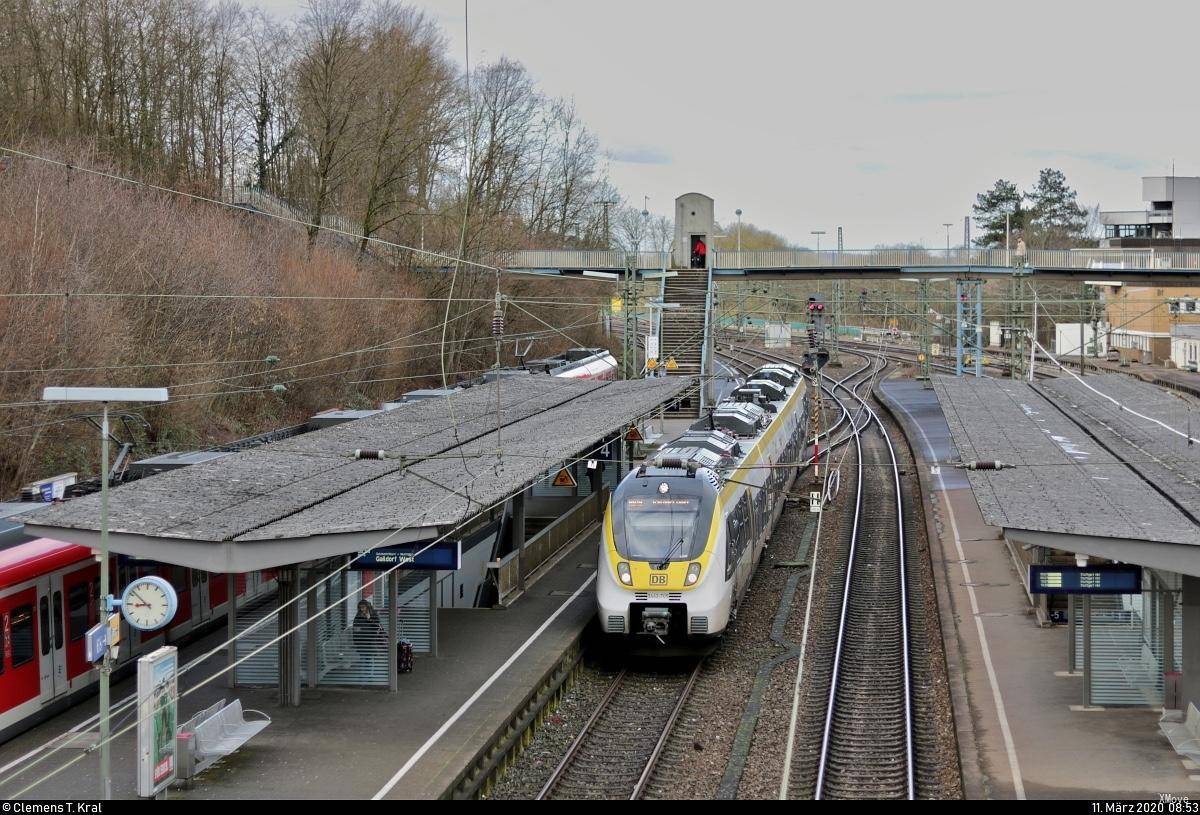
817	355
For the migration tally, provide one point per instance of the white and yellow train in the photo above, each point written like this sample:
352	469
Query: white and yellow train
684	531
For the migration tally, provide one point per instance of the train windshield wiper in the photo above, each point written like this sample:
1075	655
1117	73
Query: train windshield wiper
662	564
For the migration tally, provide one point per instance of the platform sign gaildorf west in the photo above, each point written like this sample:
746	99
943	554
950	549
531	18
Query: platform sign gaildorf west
441	555
1103	579
158	700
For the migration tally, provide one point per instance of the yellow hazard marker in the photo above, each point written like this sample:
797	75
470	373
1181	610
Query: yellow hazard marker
651	363
633	434
564	478
672	365
920	357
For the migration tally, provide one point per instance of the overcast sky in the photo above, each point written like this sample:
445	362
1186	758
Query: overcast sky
883	118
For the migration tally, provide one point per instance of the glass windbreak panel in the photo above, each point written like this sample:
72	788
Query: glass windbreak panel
660	528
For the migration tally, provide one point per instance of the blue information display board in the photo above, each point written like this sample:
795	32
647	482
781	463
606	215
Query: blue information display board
1107	579
445	554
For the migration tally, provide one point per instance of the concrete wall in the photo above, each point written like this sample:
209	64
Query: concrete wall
693	216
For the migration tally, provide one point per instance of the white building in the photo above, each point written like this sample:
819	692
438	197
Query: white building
1172	212
1185	346
1066	339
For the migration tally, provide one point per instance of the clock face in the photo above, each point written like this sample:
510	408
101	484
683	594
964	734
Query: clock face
148	603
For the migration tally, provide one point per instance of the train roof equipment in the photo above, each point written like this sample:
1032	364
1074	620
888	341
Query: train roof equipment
753	394
719	441
773	390
780	374
741	419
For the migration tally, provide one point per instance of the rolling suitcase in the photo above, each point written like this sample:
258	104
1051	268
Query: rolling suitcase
404	656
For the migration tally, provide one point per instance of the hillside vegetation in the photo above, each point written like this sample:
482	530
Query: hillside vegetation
107	283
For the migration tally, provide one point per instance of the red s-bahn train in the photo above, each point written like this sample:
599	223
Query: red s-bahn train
48	601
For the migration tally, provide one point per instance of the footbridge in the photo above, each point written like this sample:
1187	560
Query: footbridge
1140	265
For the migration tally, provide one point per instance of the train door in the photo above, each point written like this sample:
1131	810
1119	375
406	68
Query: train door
52	640
201	608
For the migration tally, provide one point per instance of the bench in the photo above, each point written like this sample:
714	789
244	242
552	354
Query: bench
1184	735
213	733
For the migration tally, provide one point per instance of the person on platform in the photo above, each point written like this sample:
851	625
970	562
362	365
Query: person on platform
369	637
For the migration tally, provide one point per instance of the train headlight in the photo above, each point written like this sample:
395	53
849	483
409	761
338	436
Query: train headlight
693	574
624	574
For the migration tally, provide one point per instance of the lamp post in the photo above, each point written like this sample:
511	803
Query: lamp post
947	241
738	213
104	396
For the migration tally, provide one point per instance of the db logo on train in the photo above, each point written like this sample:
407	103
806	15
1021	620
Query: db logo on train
658	580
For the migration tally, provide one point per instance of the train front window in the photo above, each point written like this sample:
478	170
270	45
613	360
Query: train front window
659	528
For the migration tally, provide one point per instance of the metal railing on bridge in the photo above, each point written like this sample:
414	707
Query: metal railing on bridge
1081	259
616	260
1087	259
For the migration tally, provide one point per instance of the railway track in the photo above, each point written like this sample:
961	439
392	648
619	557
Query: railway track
615	755
853	733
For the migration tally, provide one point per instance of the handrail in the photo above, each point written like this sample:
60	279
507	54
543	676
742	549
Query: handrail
545	544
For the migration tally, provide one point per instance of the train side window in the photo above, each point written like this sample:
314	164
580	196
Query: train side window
21	627
731	546
44	615
78	614
57	608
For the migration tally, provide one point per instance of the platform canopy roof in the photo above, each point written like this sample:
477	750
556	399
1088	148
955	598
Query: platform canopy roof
1081	481
307	497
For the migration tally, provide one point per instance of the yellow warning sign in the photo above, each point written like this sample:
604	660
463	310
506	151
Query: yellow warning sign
564	478
920	357
617	305
672	365
652	363
633	434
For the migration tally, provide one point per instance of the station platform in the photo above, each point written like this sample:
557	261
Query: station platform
353	743
1022	732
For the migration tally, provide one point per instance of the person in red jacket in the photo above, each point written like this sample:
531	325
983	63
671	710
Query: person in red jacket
699	250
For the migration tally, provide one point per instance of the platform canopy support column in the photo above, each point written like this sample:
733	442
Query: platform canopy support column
518	536
289	646
968	313
231	629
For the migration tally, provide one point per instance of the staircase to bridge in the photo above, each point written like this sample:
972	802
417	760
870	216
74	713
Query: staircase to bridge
682	330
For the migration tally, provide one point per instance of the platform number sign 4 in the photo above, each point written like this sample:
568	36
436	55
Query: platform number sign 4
149	603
